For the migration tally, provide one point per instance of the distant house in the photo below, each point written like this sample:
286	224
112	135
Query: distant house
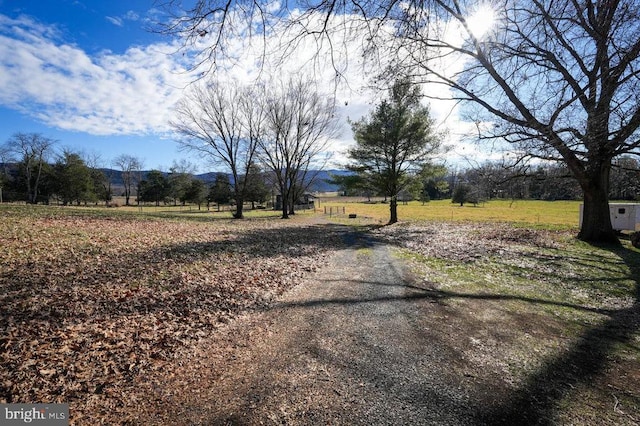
307	201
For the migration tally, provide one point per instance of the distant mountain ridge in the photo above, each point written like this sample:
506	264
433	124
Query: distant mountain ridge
320	184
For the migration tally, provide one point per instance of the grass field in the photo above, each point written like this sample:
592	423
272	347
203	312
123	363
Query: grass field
555	214
563	214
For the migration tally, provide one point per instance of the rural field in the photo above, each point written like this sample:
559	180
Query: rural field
149	316
531	213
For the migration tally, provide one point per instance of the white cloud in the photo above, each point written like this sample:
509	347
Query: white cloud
115	20
133	93
62	86
119	20
131	16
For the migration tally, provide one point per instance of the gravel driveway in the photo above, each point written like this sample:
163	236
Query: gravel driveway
352	345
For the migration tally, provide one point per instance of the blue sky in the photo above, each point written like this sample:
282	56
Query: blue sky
90	75
92	25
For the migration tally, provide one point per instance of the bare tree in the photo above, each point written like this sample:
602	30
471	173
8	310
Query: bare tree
131	168
206	26
556	78
32	151
221	122
299	125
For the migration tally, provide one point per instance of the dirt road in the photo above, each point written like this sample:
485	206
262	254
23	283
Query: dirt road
353	345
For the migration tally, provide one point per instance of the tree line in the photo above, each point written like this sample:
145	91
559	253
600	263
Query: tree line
274	135
545	181
495	180
33	172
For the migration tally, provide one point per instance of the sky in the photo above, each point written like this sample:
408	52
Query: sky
90	75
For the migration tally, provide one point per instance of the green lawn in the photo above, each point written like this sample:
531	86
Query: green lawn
562	214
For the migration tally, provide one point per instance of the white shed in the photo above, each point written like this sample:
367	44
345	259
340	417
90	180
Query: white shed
624	217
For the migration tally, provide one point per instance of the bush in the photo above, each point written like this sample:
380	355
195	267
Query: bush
465	193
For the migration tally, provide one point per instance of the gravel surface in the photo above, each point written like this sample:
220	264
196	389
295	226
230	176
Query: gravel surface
353	345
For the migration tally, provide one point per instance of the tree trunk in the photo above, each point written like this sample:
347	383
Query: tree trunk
35	186
285	204
27	174
239	207
393	209
596	219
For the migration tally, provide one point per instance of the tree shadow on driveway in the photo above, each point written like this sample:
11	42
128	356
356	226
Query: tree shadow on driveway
539	398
